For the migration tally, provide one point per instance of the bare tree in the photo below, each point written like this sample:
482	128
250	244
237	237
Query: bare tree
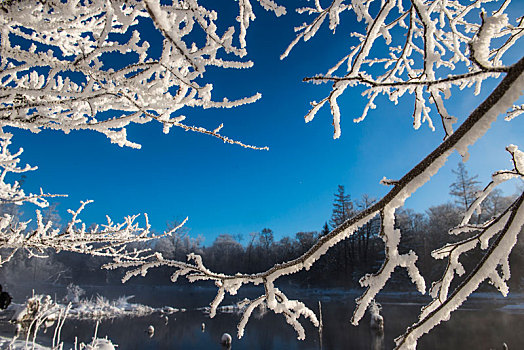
368	230
464	188
265	239
495	203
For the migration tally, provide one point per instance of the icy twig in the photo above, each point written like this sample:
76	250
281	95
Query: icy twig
515	112
109	240
443	35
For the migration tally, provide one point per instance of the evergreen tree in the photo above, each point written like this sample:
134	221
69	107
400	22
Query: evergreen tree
325	229
342	211
342	208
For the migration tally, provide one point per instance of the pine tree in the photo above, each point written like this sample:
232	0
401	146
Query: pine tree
342	211
342	208
325	229
464	188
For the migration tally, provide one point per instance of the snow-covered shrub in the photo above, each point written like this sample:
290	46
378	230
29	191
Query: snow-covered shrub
39	306
74	293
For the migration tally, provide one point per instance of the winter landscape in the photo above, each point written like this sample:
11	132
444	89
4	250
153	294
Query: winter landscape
159	188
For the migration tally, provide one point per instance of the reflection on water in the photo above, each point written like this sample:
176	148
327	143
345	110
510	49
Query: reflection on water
194	330
377	340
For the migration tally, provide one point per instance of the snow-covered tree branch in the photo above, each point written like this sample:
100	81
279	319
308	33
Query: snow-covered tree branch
109	240
90	66
67	66
437	45
433	46
56	74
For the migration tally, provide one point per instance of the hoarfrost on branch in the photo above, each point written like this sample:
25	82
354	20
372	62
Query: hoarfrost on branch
59	71
55	74
441	38
109	240
433	46
59	68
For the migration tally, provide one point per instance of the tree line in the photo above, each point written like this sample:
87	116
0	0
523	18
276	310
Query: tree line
343	266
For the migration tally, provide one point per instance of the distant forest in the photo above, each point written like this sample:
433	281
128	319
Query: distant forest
342	266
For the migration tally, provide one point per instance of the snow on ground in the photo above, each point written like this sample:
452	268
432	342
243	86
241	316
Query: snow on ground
18	344
104	308
8	343
98	308
99	344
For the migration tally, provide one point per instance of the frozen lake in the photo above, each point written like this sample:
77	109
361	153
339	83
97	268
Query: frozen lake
485	322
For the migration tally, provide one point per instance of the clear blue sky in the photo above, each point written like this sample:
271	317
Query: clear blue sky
227	189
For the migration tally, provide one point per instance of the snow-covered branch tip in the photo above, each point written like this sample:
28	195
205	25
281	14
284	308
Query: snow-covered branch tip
108	240
501	230
515	112
500	100
455	51
13	193
55	76
194	270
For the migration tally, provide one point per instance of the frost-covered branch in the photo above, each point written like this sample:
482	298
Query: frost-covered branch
194	270
515	112
13	193
433	46
500	100
58	71
95	65
107	240
503	230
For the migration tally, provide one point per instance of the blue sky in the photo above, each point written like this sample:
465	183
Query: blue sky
224	188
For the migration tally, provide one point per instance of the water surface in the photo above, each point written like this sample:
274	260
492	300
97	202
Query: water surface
484	322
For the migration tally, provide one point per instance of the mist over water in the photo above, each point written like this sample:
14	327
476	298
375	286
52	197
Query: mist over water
484	322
